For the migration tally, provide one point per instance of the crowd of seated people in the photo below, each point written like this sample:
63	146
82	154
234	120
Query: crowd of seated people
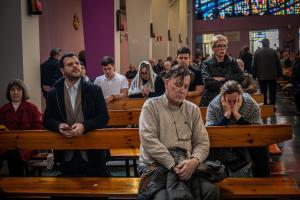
221	80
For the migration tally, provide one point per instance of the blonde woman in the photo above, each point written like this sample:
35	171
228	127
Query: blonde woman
218	69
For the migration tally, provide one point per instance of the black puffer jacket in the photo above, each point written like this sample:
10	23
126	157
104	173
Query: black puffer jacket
212	68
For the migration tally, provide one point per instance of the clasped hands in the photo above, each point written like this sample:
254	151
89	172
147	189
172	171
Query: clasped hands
186	168
228	109
71	131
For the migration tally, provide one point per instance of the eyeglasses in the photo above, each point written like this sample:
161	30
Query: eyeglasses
224	46
143	73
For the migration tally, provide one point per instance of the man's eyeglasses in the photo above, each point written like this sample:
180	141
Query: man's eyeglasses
224	46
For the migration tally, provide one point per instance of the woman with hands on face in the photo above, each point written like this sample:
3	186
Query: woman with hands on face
233	107
231	104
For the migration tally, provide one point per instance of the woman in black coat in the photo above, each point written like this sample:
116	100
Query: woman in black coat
218	69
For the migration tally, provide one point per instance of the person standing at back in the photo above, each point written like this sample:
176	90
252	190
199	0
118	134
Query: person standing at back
184	58
266	68
130	74
218	69
50	71
76	107
246	56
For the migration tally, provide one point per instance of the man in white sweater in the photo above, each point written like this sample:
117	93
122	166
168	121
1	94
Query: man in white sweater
169	121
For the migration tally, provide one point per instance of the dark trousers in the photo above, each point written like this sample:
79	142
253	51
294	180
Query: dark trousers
79	167
16	165
260	157
208	190
271	86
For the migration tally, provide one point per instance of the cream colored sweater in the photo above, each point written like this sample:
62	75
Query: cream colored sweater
162	126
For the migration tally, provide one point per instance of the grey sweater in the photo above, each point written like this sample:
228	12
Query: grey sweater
164	126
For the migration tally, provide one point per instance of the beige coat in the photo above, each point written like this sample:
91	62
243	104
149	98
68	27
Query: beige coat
162	126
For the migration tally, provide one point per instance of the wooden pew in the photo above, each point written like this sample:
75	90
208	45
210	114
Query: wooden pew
131	117
121	118
231	188
220	136
238	136
137	103
258	97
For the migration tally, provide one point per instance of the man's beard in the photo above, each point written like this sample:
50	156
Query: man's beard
72	77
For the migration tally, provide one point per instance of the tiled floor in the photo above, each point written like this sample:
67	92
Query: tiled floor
286	113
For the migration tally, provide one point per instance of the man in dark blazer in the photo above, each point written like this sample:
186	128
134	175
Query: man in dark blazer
50	72
266	68
75	107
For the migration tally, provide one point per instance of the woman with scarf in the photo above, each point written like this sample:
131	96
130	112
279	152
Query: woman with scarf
146	83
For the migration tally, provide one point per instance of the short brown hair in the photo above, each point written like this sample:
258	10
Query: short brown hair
231	87
20	84
179	71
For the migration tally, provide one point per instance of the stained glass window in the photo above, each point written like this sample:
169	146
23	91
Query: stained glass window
225	8
211	9
242	8
293	7
259	7
277	7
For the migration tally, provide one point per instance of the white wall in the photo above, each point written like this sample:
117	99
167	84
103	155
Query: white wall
138	26
174	28
31	54
160	22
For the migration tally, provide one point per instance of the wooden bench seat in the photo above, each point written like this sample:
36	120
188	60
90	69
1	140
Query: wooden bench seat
220	136
273	187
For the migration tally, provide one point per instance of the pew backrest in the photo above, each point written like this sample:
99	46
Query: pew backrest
137	103
220	136
131	117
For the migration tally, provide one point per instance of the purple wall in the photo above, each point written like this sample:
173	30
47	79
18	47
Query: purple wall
56	27
98	22
246	24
